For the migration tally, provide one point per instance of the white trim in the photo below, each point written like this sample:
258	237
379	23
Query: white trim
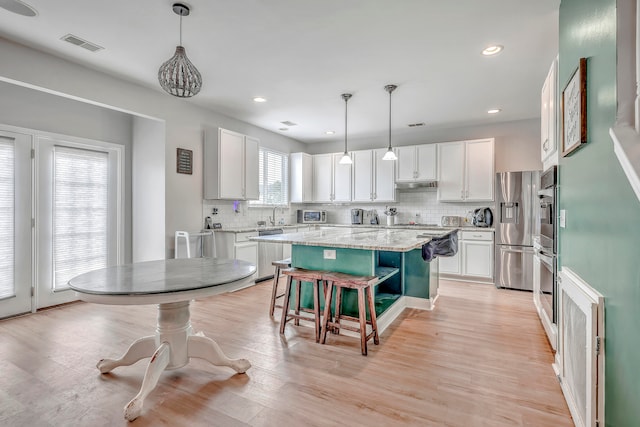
625	132
626	145
591	302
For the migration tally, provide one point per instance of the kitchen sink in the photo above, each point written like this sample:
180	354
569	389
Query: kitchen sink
413	224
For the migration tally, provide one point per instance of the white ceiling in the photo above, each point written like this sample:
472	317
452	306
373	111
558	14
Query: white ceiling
302	54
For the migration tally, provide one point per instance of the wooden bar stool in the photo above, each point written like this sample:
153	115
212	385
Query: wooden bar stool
301	275
362	284
279	265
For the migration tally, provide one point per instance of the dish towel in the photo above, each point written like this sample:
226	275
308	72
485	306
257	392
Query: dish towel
446	245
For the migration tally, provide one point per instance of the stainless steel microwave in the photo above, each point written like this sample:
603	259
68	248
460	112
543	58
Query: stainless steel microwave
306	216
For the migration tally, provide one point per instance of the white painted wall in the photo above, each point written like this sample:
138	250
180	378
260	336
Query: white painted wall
184	123
40	111
148	189
517	144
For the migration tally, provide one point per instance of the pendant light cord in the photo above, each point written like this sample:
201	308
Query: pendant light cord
345	124
390	119
181	30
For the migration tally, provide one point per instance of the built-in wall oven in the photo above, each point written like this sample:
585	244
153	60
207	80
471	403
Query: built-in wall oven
545	258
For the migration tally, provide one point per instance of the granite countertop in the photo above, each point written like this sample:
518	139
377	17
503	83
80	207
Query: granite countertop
421	227
384	239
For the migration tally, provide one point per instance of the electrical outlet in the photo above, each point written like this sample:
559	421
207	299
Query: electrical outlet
329	254
563	218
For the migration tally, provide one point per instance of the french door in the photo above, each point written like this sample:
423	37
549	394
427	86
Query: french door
60	215
77	214
15	223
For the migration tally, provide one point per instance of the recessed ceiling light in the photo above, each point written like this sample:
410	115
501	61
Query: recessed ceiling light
18	7
259	99
283	129
330	132
289	123
494	111
492	50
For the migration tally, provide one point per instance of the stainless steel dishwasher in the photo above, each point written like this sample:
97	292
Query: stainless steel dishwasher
267	253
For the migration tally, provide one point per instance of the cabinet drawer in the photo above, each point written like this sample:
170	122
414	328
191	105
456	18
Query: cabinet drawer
477	235
244	237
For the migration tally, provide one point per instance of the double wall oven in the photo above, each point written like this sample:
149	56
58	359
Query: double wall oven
545	259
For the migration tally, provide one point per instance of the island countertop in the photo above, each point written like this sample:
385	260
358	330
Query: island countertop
393	240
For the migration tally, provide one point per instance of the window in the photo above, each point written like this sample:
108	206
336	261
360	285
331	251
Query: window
80	193
273	178
6	218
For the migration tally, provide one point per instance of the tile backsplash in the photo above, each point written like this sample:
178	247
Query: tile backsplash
419	205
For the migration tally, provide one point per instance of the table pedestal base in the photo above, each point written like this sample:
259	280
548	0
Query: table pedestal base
170	348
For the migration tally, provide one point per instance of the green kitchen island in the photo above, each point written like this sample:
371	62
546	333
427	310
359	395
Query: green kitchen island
405	280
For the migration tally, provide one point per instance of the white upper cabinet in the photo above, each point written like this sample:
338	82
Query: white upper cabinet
385	187
323	178
363	179
301	177
331	180
341	180
466	171
373	178
416	163
230	165
548	122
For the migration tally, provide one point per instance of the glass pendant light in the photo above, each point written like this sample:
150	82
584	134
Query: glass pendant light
178	76
346	159
390	155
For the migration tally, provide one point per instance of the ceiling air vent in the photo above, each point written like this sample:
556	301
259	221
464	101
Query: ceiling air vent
70	38
415	125
288	123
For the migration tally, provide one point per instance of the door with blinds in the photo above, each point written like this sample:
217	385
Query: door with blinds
15	223
77	215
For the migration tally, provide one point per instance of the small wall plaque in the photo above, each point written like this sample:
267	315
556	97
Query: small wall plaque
185	161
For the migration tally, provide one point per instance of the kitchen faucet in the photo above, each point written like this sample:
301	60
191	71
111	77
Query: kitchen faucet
272	218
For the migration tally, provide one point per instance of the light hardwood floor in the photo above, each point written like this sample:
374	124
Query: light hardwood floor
479	359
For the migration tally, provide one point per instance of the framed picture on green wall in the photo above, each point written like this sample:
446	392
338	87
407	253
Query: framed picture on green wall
574	110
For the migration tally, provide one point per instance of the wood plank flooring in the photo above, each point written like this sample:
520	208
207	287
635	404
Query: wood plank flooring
479	359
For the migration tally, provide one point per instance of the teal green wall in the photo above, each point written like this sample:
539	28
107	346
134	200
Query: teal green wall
601	241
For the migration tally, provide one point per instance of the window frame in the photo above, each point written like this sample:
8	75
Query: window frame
284	178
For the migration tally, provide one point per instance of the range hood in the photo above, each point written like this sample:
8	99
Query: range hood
418	184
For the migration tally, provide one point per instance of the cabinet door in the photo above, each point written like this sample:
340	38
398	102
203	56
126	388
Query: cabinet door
426	162
251	168
322	177
549	114
384	186
544	120
231	163
480	174
477	258
307	178
450	264
362	176
341	180
301	178
406	170
451	171
247	252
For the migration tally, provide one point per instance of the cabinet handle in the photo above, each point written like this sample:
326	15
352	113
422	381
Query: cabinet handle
467	195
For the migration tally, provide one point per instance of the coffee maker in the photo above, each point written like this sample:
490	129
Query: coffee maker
357	216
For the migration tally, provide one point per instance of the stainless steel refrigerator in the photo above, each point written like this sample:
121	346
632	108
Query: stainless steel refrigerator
516	224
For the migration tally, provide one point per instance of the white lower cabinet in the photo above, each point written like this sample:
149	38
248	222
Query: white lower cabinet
237	246
450	264
474	258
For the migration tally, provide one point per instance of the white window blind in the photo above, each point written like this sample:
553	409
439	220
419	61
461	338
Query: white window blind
273	178
7	212
80	228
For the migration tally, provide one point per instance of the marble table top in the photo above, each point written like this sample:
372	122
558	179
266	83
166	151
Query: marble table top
385	239
162	278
